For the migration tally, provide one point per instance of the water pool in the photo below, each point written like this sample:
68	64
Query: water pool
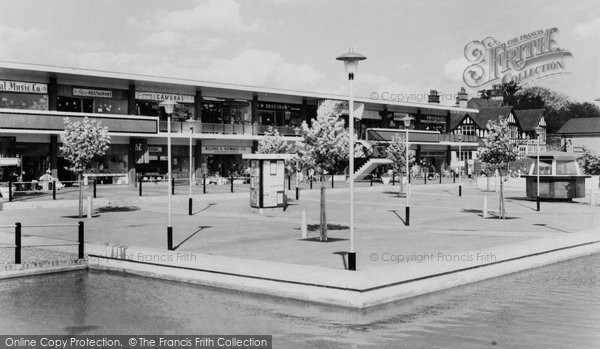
554	306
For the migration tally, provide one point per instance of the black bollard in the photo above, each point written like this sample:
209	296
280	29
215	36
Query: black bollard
371	180
332	180
170	238
18	243
54	190
297	193
407	215
81	240
190	206
538	201
440	177
393	178
459	190
10	193
231	181
351	260
203	183
311	180
453	177
289	182
95	188
425	178
140	185
172	185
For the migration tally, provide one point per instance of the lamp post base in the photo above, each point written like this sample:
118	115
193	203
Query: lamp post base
407	216
351	260
538	202
170	238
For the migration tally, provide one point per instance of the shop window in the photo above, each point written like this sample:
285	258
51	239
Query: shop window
181	112
24	101
232	111
69	104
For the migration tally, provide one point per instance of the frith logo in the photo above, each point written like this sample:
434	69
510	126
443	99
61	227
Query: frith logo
523	59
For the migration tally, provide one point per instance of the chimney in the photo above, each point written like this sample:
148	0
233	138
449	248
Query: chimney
462	98
497	92
433	97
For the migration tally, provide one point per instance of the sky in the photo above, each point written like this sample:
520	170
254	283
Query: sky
411	46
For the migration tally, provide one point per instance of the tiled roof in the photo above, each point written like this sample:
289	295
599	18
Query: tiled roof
581	125
487	114
529	119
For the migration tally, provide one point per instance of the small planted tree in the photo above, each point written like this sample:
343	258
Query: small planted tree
81	142
325	148
396	153
497	152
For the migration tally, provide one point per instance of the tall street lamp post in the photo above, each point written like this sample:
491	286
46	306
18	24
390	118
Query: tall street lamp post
407	120
168	106
350	60
190	161
460	163
538	132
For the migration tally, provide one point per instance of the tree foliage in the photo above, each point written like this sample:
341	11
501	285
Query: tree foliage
396	152
325	146
82	141
497	149
273	143
590	163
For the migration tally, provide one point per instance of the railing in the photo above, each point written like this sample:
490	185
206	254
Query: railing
232	129
18	246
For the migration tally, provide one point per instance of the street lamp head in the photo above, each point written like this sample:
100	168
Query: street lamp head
350	60
168	105
407	120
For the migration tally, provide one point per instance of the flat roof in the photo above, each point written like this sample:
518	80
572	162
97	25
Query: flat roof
52	69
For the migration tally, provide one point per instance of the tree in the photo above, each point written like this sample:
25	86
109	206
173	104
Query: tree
81	142
590	163
498	151
325	148
273	143
396	153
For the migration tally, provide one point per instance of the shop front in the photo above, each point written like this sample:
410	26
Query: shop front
23	95
148	104
279	114
81	99
225	157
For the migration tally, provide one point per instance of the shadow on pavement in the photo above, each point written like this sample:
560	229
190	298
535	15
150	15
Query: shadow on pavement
202	227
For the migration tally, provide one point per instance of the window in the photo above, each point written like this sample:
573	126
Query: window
467	130
514	132
464	155
24	101
227	112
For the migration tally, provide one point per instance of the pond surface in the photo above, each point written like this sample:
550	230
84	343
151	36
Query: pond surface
555	306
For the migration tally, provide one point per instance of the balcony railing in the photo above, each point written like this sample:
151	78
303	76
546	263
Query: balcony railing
227	129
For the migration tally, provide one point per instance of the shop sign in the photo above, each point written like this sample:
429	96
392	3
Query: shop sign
433	119
277	106
25	87
157	96
154	149
84	92
226	149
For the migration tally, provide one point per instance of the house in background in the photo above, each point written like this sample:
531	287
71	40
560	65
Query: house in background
579	133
